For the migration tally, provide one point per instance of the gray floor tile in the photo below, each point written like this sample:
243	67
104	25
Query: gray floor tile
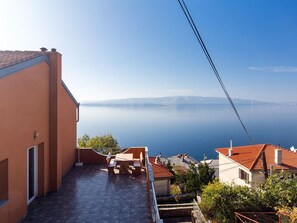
88	194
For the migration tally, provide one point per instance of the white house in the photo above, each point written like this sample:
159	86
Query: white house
245	165
162	177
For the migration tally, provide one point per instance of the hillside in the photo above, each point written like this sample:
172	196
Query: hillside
176	100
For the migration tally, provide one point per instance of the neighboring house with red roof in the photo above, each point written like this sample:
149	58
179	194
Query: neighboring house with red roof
162	177
244	165
38	117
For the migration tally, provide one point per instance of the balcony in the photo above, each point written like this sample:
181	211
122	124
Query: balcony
89	194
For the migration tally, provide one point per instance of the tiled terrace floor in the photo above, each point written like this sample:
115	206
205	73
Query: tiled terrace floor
88	194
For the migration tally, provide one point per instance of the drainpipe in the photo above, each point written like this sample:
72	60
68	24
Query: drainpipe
78	158
271	169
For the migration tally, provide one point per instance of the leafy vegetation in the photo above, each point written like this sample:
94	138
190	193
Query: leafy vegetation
206	174
288	215
169	167
220	201
103	144
279	192
176	192
193	180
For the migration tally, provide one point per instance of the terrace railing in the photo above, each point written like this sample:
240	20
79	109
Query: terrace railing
256	217
150	177
197	214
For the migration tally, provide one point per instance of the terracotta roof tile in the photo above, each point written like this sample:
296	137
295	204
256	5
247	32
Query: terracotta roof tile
9	58
159	170
289	159
251	156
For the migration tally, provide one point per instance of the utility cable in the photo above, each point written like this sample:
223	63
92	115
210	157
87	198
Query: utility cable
195	30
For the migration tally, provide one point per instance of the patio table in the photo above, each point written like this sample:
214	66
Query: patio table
123	159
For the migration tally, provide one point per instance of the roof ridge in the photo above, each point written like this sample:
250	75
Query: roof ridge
161	167
257	157
239	147
9	58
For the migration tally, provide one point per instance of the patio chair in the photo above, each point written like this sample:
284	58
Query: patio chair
111	166
138	165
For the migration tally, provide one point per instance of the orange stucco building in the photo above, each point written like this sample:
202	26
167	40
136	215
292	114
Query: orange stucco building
38	117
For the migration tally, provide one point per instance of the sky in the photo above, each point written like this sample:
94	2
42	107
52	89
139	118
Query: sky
114	49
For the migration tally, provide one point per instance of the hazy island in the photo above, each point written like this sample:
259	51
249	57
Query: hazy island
176	100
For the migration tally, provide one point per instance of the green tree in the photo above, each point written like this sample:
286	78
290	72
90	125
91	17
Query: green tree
206	174
220	201
169	167
279	191
103	144
193	182
179	179
82	142
195	178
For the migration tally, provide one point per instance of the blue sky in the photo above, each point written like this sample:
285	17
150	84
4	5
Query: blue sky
145	48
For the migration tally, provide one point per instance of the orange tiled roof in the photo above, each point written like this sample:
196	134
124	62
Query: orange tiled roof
251	156
8	58
159	170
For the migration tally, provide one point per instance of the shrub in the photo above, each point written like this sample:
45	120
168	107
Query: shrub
220	201
279	191
175	191
103	144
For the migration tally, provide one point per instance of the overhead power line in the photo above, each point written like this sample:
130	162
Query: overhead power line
198	36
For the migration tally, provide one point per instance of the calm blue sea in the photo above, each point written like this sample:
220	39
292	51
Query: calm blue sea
192	129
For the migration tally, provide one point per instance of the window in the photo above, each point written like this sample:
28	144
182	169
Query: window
4	181
244	175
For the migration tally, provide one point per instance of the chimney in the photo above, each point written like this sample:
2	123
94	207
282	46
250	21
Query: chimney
43	49
54	50
230	149
157	160
278	154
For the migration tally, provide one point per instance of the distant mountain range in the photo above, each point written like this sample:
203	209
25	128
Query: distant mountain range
176	100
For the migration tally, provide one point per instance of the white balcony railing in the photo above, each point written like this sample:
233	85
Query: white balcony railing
150	177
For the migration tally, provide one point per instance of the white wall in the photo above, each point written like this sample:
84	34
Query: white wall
162	187
229	171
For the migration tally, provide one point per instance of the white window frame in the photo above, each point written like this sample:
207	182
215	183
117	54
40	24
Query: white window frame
246	175
35	174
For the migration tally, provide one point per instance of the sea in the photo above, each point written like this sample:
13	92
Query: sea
196	130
